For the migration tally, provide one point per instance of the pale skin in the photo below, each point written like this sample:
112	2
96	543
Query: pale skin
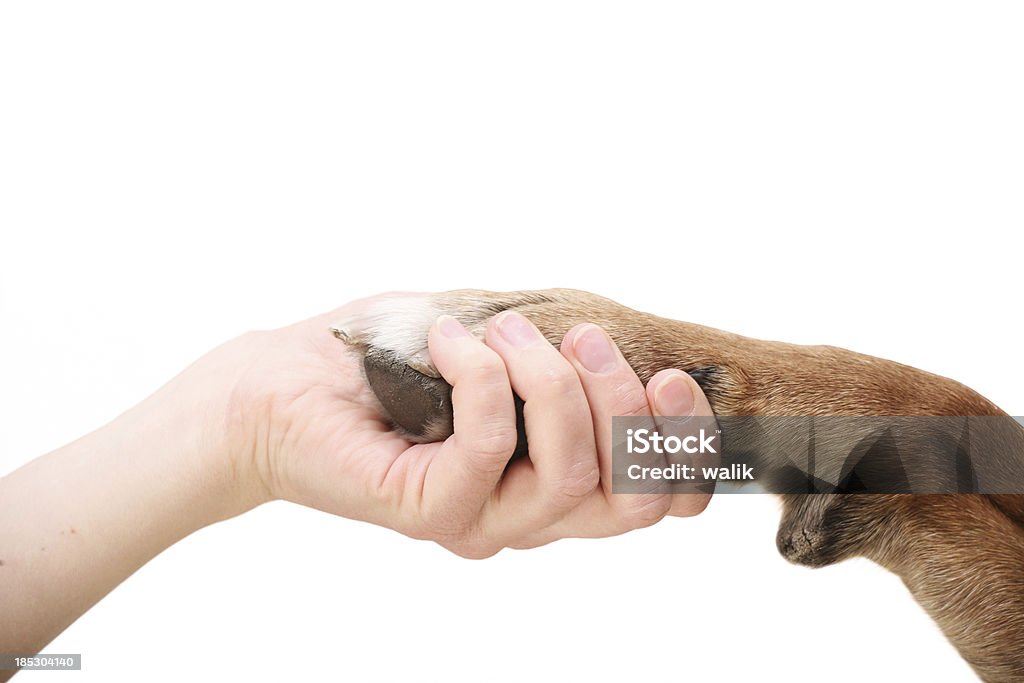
286	414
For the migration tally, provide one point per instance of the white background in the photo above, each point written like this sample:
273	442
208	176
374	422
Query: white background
173	174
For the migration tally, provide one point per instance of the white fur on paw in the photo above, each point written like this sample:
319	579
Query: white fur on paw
399	324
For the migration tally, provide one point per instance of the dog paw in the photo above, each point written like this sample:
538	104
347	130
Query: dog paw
391	333
397	325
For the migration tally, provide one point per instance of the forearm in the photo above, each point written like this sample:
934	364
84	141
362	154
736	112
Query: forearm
78	521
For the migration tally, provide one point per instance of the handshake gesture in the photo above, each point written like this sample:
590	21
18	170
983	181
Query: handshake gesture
287	414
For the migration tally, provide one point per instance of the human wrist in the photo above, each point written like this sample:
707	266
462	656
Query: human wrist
199	436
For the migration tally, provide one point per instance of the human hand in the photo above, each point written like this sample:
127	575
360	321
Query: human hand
287	414
304	427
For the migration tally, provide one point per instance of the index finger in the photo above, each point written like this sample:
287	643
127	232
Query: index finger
466	469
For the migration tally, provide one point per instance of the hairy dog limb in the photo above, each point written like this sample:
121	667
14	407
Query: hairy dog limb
961	556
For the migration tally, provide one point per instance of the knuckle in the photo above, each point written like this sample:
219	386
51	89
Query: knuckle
557	380
577	484
492	443
484	380
691	505
476	552
643	510
472	546
474	363
631	400
486	366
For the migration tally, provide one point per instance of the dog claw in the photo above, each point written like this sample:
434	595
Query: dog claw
351	329
422	364
344	333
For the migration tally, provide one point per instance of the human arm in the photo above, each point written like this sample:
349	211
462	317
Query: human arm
286	414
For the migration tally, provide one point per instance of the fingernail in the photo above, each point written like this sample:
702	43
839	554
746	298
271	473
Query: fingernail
517	330
673	397
450	327
594	349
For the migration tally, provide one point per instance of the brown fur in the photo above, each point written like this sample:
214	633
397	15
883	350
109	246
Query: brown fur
961	556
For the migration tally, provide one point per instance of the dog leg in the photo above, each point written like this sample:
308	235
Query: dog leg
961	556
